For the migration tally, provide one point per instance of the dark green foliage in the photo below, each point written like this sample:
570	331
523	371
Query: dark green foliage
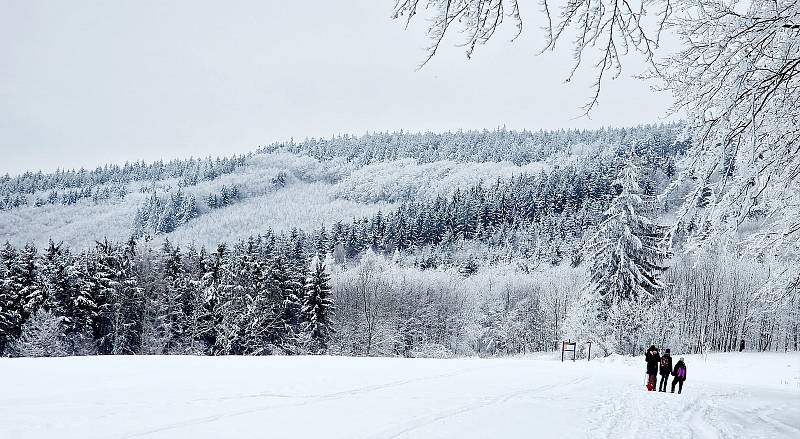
317	309
115	299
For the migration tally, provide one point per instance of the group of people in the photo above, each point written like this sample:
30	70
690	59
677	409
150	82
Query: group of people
662	364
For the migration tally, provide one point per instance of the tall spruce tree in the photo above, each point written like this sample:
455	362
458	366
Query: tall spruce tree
53	272
31	290
628	249
317	309
259	310
282	298
209	315
111	290
62	282
82	309
129	306
194	267
235	290
10	300
171	316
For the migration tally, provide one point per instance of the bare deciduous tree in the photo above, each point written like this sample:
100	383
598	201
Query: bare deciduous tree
613	27
735	76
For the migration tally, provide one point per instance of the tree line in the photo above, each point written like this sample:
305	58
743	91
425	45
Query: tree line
188	171
261	296
499	145
277	294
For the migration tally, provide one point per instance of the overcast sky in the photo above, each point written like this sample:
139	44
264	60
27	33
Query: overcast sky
89	82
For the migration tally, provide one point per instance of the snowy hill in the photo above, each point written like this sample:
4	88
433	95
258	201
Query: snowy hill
726	395
434	245
296	185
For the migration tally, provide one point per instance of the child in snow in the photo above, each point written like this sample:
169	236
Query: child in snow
652	358
664	369
680	375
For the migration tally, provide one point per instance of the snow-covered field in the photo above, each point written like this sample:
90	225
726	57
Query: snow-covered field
726	396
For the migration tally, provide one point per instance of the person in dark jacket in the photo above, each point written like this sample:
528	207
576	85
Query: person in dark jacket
679	374
652	358
664	369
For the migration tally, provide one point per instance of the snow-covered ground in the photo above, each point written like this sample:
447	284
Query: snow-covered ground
726	396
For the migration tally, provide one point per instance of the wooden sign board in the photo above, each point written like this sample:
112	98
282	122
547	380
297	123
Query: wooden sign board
568	346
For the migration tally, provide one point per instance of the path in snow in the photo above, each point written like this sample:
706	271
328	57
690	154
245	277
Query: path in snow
726	396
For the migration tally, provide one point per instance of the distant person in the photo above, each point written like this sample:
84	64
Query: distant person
664	369
679	375
652	358
741	345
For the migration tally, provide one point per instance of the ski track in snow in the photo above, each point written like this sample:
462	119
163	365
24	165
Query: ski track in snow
380	398
423	421
308	399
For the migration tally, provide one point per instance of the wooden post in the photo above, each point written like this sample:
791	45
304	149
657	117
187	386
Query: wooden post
589	357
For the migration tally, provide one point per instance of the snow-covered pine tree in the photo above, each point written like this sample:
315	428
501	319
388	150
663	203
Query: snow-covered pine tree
106	292
285	302
298	269
317	309
321	243
28	280
208	316
10	300
225	196
212	201
171	315
82	310
259	316
194	268
21	292
167	219
628	250
129	309
235	289
187	210
54	277
108	300
61	280
147	216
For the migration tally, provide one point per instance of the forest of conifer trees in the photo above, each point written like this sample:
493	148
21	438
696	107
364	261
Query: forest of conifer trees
494	268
